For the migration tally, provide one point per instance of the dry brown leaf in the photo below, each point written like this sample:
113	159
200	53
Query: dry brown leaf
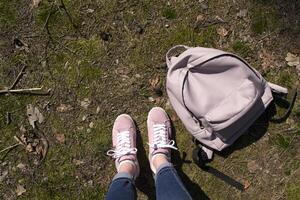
154	81
122	71
78	162
34	115
21	166
246	184
29	148
64	108
293	60
222	31
268	60
85	103
200	18
91	125
60	137
35	3
20	190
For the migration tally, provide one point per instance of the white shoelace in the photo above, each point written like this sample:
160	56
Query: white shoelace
161	138
123	146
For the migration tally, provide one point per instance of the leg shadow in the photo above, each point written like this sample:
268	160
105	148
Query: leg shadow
193	188
145	182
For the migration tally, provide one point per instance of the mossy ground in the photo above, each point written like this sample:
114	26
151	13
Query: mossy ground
108	51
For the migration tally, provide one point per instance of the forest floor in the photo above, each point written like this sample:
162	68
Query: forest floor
103	58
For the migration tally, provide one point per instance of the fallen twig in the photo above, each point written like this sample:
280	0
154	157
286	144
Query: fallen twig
18	78
10	147
19	140
8	118
26	91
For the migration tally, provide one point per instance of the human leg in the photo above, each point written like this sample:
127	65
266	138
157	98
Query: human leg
124	153
168	183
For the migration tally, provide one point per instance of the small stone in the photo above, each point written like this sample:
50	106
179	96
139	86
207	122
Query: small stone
151	99
84	117
167	25
89	130
98	110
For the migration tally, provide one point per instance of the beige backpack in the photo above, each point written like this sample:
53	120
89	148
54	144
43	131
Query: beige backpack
217	95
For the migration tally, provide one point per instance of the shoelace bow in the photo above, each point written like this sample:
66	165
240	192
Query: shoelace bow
123	146
161	138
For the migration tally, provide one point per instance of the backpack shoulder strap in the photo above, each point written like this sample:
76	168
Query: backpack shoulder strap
278	89
168	58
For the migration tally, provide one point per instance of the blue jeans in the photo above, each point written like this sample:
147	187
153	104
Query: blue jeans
167	182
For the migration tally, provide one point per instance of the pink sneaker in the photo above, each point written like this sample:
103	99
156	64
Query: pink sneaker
159	134
124	143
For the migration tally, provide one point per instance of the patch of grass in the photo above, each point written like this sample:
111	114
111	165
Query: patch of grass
286	79
292	166
241	48
8	13
207	37
169	13
281	141
264	20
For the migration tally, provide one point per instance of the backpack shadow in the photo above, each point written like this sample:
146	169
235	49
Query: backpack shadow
145	182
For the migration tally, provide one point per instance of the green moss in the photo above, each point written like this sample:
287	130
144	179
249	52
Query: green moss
241	48
293	190
281	141
8	13
169	13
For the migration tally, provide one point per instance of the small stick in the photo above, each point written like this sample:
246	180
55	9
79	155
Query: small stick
8	118
10	147
26	91
19	140
18	78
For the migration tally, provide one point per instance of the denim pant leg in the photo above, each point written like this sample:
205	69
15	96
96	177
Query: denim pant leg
169	185
122	187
